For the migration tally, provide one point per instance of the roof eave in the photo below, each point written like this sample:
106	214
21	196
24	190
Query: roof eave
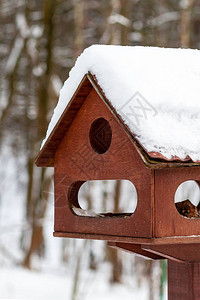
156	162
45	157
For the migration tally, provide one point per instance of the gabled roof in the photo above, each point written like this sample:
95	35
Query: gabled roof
155	92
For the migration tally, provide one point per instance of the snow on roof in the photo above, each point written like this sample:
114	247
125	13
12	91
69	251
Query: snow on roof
156	91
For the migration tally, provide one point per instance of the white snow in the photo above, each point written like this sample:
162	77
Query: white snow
155	90
18	283
188	190
83	212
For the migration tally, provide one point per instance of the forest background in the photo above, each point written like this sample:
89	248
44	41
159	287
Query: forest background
40	41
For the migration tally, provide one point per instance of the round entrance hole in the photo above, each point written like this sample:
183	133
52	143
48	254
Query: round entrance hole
187	199
100	135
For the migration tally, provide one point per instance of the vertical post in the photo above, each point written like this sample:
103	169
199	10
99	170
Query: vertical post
183	280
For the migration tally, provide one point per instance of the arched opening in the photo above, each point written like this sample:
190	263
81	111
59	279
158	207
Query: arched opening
187	198
103	198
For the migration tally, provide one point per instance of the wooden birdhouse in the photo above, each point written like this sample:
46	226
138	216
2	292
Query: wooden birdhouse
129	113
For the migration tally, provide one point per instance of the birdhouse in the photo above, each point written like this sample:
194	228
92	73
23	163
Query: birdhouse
129	113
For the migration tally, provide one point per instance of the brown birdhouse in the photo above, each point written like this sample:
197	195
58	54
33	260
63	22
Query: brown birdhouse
97	137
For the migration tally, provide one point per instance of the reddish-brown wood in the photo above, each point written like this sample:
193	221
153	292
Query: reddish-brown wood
82	163
104	237
134	248
168	222
183	281
46	156
133	240
178	252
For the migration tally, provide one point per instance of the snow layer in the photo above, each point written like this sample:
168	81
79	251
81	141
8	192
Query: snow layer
21	284
83	212
155	90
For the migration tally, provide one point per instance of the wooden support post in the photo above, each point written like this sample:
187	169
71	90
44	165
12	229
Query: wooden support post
183	280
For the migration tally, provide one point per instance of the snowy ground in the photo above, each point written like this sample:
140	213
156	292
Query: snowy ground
17	283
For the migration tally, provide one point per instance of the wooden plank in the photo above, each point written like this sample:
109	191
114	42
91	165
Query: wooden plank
180	252
183	281
168	222
134	248
153	200
45	157
125	239
93	236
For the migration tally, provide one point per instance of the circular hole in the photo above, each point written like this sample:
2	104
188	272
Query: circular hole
100	135
187	198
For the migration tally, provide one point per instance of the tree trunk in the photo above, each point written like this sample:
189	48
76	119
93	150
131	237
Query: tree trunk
36	206
186	14
79	26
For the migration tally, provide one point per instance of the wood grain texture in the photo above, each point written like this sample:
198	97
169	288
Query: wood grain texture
45	157
134	248
178	252
183	281
126	239
168	222
76	160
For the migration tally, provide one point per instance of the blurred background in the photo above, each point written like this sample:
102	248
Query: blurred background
40	41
